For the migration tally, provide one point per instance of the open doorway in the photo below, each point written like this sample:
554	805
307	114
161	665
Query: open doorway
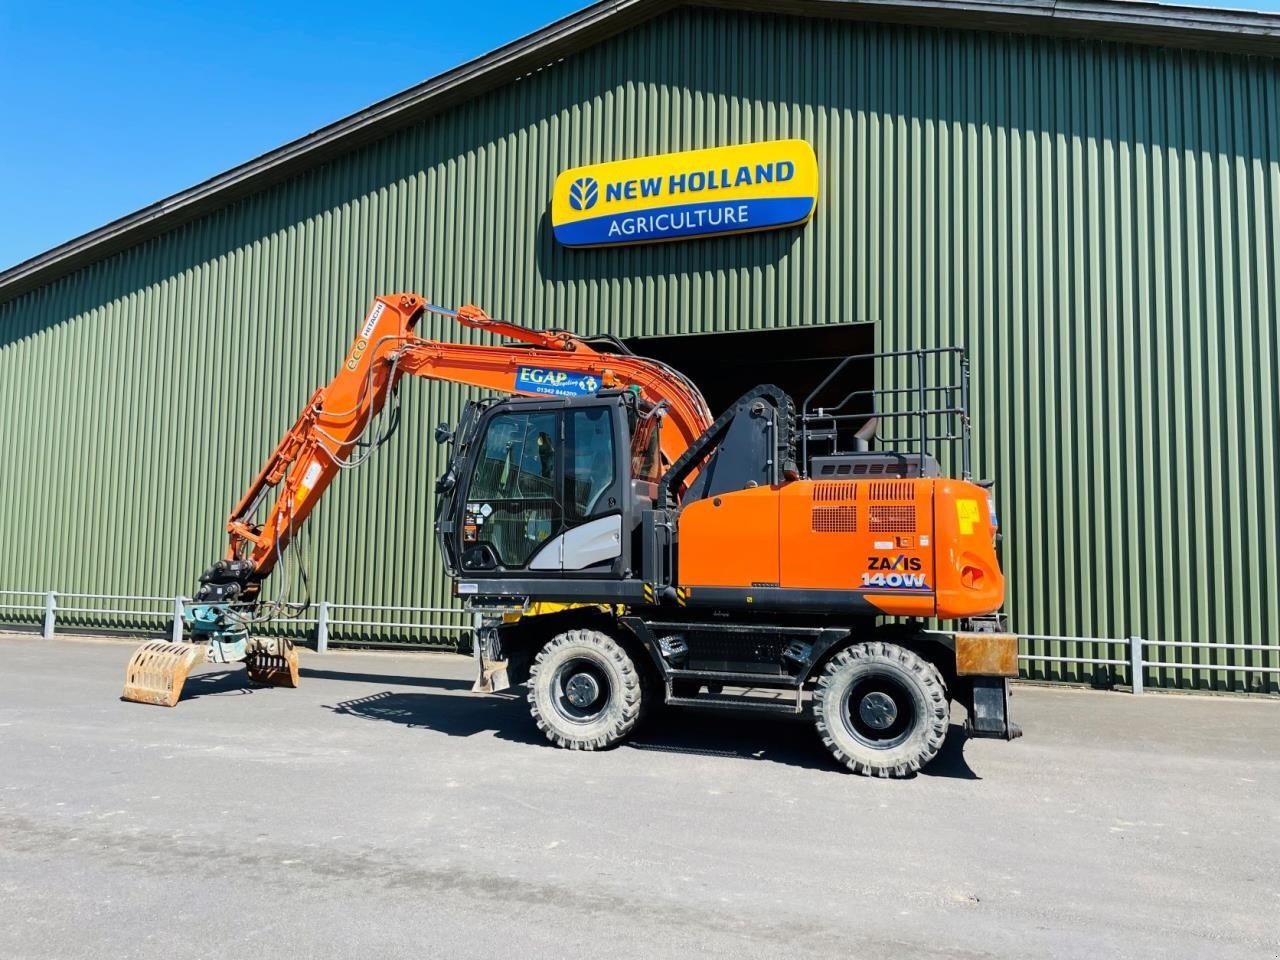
797	359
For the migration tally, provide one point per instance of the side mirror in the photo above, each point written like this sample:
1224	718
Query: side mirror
443	433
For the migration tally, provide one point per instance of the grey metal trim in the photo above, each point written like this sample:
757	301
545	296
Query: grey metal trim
1152	24
1228	31
794	599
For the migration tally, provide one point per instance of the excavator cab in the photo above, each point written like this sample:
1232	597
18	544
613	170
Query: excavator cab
548	487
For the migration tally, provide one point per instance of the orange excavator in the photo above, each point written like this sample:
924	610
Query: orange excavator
626	549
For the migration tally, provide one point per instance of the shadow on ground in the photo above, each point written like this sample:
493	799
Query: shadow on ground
235	680
503	715
218	682
400	680
671	730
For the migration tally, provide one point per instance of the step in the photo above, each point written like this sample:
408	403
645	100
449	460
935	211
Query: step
754	705
778	681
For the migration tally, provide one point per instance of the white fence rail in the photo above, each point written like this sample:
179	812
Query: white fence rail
48	604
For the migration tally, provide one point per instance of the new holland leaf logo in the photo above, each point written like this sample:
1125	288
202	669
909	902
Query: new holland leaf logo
583	193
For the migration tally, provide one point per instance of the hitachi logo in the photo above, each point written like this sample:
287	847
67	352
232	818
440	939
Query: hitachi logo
696	181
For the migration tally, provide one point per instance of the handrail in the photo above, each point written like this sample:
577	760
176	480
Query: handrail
324	622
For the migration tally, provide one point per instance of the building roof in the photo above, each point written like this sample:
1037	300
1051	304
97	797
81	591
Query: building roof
1202	28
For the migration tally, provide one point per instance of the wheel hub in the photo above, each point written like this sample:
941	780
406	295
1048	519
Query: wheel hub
877	710
582	690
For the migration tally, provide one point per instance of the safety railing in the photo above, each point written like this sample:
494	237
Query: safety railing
46	606
1135	659
324	621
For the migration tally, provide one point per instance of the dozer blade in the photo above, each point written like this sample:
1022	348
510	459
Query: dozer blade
274	663
157	671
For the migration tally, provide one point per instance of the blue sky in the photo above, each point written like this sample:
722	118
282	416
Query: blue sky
110	106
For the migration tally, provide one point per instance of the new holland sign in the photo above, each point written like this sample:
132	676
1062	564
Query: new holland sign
698	193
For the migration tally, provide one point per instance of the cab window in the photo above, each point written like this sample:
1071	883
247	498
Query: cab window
590	468
511	502
646	459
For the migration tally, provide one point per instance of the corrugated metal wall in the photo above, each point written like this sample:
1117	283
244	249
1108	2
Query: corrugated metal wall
1097	223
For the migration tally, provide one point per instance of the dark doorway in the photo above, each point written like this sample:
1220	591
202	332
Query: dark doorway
797	359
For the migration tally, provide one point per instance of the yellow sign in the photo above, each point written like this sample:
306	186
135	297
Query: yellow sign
967	516
697	193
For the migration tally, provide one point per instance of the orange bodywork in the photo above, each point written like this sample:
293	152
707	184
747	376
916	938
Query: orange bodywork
307	459
919	547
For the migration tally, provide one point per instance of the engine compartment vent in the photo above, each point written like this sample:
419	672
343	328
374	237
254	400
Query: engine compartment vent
835	491
896	519
891	490
835	519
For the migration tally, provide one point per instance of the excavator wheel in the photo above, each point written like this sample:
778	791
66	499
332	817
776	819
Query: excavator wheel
585	692
158	670
881	709
275	665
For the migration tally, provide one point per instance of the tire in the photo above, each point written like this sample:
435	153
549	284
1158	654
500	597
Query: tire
585	714
881	710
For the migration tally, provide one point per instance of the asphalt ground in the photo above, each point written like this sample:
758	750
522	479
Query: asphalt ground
382	810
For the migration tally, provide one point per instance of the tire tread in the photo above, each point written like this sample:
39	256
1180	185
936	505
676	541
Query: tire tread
623	714
923	672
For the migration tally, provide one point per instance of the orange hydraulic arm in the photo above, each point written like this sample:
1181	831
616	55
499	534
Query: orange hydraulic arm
320	443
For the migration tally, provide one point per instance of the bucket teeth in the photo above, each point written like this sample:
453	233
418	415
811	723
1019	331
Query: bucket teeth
157	671
276	667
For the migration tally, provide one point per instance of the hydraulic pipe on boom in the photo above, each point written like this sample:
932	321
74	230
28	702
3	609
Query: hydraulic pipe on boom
332	427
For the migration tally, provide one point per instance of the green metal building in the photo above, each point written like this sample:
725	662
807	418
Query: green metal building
1085	195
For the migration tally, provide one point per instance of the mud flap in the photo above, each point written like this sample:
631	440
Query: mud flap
273	663
157	671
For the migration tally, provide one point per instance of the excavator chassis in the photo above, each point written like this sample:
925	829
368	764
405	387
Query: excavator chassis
158	670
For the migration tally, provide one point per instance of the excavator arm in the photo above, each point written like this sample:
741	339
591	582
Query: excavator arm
333	432
337	417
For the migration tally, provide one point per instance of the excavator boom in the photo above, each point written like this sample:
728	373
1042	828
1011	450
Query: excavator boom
333	432
335	419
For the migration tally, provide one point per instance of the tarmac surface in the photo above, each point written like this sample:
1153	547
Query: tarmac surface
382	810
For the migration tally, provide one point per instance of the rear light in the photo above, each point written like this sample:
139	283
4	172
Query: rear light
971	577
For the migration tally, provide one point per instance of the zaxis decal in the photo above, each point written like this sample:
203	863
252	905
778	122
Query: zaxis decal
901	573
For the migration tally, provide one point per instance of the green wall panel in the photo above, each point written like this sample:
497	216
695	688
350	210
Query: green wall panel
1097	223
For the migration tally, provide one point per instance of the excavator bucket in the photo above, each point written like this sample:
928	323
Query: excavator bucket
157	671
275	665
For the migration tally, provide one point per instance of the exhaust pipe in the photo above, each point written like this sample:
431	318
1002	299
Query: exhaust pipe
866	433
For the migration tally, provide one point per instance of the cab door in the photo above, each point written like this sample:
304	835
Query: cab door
595	476
511	506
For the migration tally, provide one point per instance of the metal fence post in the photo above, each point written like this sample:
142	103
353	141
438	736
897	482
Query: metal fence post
322	626
49	607
1135	664
175	633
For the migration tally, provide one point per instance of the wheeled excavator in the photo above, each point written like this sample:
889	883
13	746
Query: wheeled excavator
625	549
